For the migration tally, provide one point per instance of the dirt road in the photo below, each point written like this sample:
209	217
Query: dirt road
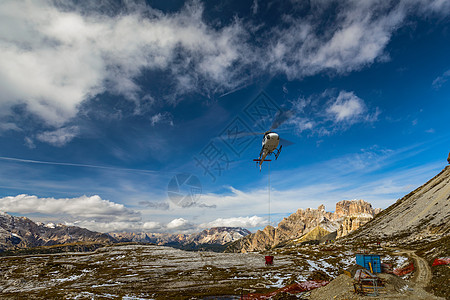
422	274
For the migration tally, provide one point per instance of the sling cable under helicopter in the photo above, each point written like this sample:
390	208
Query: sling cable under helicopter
270	142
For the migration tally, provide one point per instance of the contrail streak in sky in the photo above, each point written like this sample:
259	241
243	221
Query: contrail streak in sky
73	165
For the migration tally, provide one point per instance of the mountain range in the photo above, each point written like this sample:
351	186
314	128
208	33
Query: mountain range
302	226
309	225
422	215
209	239
21	232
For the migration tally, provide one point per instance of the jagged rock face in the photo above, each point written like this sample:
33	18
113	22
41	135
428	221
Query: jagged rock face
423	213
300	223
352	223
306	220
21	232
346	208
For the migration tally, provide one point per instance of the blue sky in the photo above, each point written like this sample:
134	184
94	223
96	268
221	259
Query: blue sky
103	104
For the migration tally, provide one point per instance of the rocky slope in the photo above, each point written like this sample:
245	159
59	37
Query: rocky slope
21	232
422	214
211	239
348	216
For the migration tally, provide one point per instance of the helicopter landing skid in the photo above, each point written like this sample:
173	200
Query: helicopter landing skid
278	152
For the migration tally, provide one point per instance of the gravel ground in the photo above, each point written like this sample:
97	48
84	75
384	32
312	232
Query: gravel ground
156	272
395	288
147	272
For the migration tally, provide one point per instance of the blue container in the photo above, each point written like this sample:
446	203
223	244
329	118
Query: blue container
364	259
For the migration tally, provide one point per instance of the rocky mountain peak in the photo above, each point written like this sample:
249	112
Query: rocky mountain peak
353	207
304	221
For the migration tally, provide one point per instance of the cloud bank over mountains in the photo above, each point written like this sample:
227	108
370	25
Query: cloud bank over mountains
101	215
324	183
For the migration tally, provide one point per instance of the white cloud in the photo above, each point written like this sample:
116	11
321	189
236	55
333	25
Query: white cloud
179	224
354	37
326	113
348	107
105	226
29	143
93	213
59	137
255	7
151	226
84	207
440	7
245	222
116	226
367	175
54	58
8	126
41	67
441	80
162	118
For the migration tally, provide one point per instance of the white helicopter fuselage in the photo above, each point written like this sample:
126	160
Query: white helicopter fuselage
269	144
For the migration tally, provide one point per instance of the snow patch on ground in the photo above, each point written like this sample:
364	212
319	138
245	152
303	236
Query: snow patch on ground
105	284
397	261
243	278
276	279
348	261
70	278
321	265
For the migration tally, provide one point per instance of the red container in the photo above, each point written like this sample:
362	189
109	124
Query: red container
269	259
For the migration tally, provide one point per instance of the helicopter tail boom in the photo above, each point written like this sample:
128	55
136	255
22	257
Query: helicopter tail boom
260	161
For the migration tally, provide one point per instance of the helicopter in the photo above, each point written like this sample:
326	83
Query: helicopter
269	145
271	139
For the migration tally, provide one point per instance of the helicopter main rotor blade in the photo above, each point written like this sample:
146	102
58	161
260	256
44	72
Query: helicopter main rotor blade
285	142
237	135
280	118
